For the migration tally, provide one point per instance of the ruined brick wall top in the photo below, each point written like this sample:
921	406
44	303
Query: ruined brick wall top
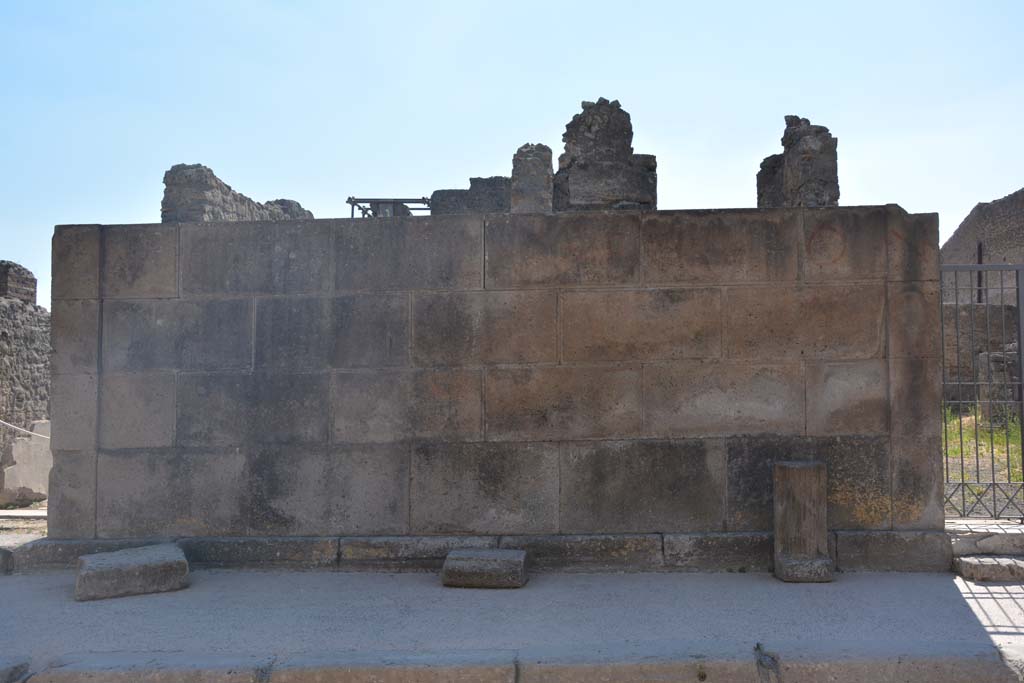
485	195
193	194
17	282
806	173
998	225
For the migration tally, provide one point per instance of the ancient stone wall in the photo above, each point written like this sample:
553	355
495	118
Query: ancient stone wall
805	174
24	355
485	195
193	194
611	382
532	180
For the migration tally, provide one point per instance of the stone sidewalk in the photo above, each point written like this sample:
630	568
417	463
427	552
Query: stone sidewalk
287	625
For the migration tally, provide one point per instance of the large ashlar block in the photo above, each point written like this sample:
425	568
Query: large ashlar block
231	409
409	253
73	402
721	246
711	398
137	410
484	488
74	335
595	248
166	494
801	522
369	331
657	324
211	334
134	571
71	507
140	261
823	322
544	403
639	486
845	243
396	405
471	328
915	330
913	245
720	552
485	568
291	333
858	478
323	491
848	397
75	262
918	482
292	257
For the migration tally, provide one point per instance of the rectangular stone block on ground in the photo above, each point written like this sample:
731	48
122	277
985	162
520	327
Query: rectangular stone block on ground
642	486
396	405
654	324
74	336
589	552
135	571
137	410
721	246
848	397
712	398
544	403
71	507
719	552
140	261
405	552
409	253
291	257
290	551
485	568
158	492
894	551
485	488
75	262
822	322
593	248
213	334
844	243
913	245
470	328
858	481
322	491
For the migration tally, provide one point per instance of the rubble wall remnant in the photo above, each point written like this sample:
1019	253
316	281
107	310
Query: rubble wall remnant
565	383
598	169
24	355
485	195
805	174
193	194
532	179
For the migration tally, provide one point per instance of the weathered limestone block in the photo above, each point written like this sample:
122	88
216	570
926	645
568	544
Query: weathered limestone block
805	174
590	551
485	568
598	169
801	522
26	481
485	195
719	552
17	282
135	571
894	551
193	194
532	180
405	552
300	552
140	262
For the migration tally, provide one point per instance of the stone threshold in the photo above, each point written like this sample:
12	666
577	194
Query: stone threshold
913	551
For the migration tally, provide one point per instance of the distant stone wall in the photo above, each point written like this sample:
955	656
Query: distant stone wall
807	171
485	195
193	194
24	355
621	379
998	225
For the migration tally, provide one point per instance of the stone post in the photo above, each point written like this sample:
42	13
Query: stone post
801	522
532	179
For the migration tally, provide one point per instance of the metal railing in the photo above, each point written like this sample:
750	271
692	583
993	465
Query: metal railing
982	410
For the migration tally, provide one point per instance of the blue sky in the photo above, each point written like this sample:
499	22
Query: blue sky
316	101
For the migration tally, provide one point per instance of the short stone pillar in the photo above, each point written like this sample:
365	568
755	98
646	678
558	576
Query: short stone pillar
801	522
532	179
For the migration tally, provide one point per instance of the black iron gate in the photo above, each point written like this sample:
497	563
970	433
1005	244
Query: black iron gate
981	390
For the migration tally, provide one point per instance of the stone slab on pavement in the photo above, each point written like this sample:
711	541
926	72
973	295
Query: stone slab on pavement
135	571
485	568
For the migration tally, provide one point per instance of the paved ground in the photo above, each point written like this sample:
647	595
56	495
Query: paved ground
888	618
